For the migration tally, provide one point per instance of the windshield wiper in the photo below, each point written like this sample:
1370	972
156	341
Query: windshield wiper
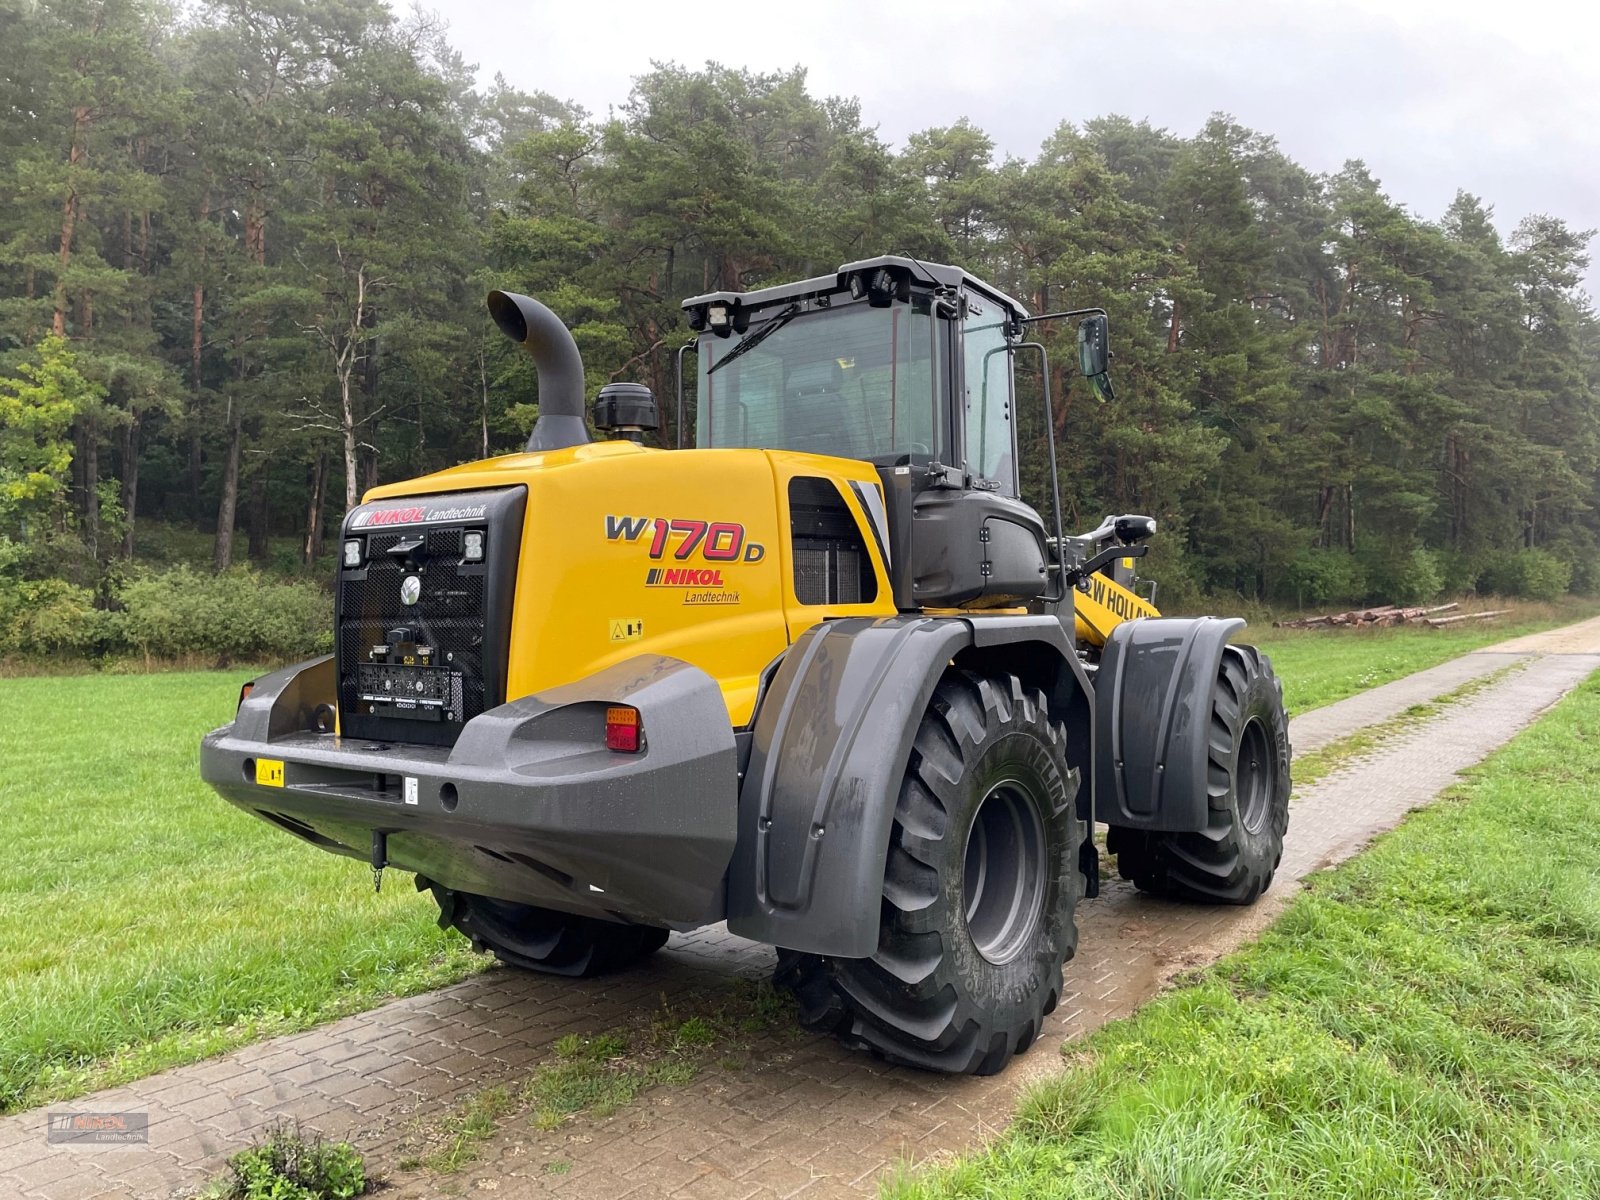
761	335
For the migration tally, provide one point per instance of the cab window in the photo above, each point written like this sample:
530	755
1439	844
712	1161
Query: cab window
849	380
987	398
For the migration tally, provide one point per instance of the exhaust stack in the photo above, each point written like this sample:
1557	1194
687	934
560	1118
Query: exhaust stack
541	333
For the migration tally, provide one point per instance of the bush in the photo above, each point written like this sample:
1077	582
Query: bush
48	617
1316	577
1530	574
1583	558
1543	575
240	614
1400	576
1460	571
289	1166
1585	579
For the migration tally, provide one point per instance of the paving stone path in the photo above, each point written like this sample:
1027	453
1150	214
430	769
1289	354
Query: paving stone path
806	1117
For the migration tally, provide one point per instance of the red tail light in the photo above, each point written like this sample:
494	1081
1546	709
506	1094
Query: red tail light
622	729
244	694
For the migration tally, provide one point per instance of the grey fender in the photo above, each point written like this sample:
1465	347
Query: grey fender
830	745
1152	718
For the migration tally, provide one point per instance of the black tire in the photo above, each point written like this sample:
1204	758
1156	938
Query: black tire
1233	859
979	891
542	939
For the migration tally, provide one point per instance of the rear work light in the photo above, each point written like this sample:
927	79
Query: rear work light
622	729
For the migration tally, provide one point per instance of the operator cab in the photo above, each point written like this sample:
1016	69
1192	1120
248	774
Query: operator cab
904	365
858	365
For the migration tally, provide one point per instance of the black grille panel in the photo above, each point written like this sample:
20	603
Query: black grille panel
418	672
828	575
444	542
831	563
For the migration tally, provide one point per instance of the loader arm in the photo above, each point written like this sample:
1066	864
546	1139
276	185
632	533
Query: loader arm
1102	604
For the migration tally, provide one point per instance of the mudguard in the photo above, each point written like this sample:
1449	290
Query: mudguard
831	742
1152	718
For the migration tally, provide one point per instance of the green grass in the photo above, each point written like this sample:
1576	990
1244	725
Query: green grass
596	1075
1320	666
469	1125
1424	1022
144	922
289	1165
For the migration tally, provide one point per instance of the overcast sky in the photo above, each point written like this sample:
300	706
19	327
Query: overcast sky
1500	99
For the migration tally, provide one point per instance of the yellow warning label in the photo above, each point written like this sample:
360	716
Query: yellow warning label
627	629
1128	562
269	772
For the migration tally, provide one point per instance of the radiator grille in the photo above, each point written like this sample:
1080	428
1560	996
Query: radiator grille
448	619
831	563
418	672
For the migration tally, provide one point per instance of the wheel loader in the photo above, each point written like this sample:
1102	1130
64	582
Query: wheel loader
819	673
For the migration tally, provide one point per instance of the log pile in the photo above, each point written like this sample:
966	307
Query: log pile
1472	616
1389	614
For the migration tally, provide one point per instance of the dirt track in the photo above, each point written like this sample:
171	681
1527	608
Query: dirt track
809	1117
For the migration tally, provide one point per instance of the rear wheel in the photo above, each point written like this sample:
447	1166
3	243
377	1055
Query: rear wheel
1233	859
542	939
979	891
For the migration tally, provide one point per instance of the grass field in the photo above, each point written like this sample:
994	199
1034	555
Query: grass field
144	922
1319	666
1425	1022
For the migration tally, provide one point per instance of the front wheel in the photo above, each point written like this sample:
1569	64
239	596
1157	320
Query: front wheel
979	891
1231	860
542	939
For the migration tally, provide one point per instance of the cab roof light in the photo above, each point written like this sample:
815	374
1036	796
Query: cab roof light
722	317
881	286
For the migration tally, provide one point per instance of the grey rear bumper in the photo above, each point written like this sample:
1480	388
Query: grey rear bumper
528	805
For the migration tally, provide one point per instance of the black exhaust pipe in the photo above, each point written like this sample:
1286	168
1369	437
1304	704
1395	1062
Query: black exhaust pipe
541	333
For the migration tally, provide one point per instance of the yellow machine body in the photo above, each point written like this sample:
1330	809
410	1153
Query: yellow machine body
629	550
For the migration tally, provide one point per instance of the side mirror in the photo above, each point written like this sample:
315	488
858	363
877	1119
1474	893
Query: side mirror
1094	354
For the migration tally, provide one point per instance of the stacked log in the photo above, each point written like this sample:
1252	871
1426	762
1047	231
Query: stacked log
1473	616
1389	614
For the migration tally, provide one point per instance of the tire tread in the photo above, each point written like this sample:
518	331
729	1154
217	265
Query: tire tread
1211	866
550	942
899	1003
